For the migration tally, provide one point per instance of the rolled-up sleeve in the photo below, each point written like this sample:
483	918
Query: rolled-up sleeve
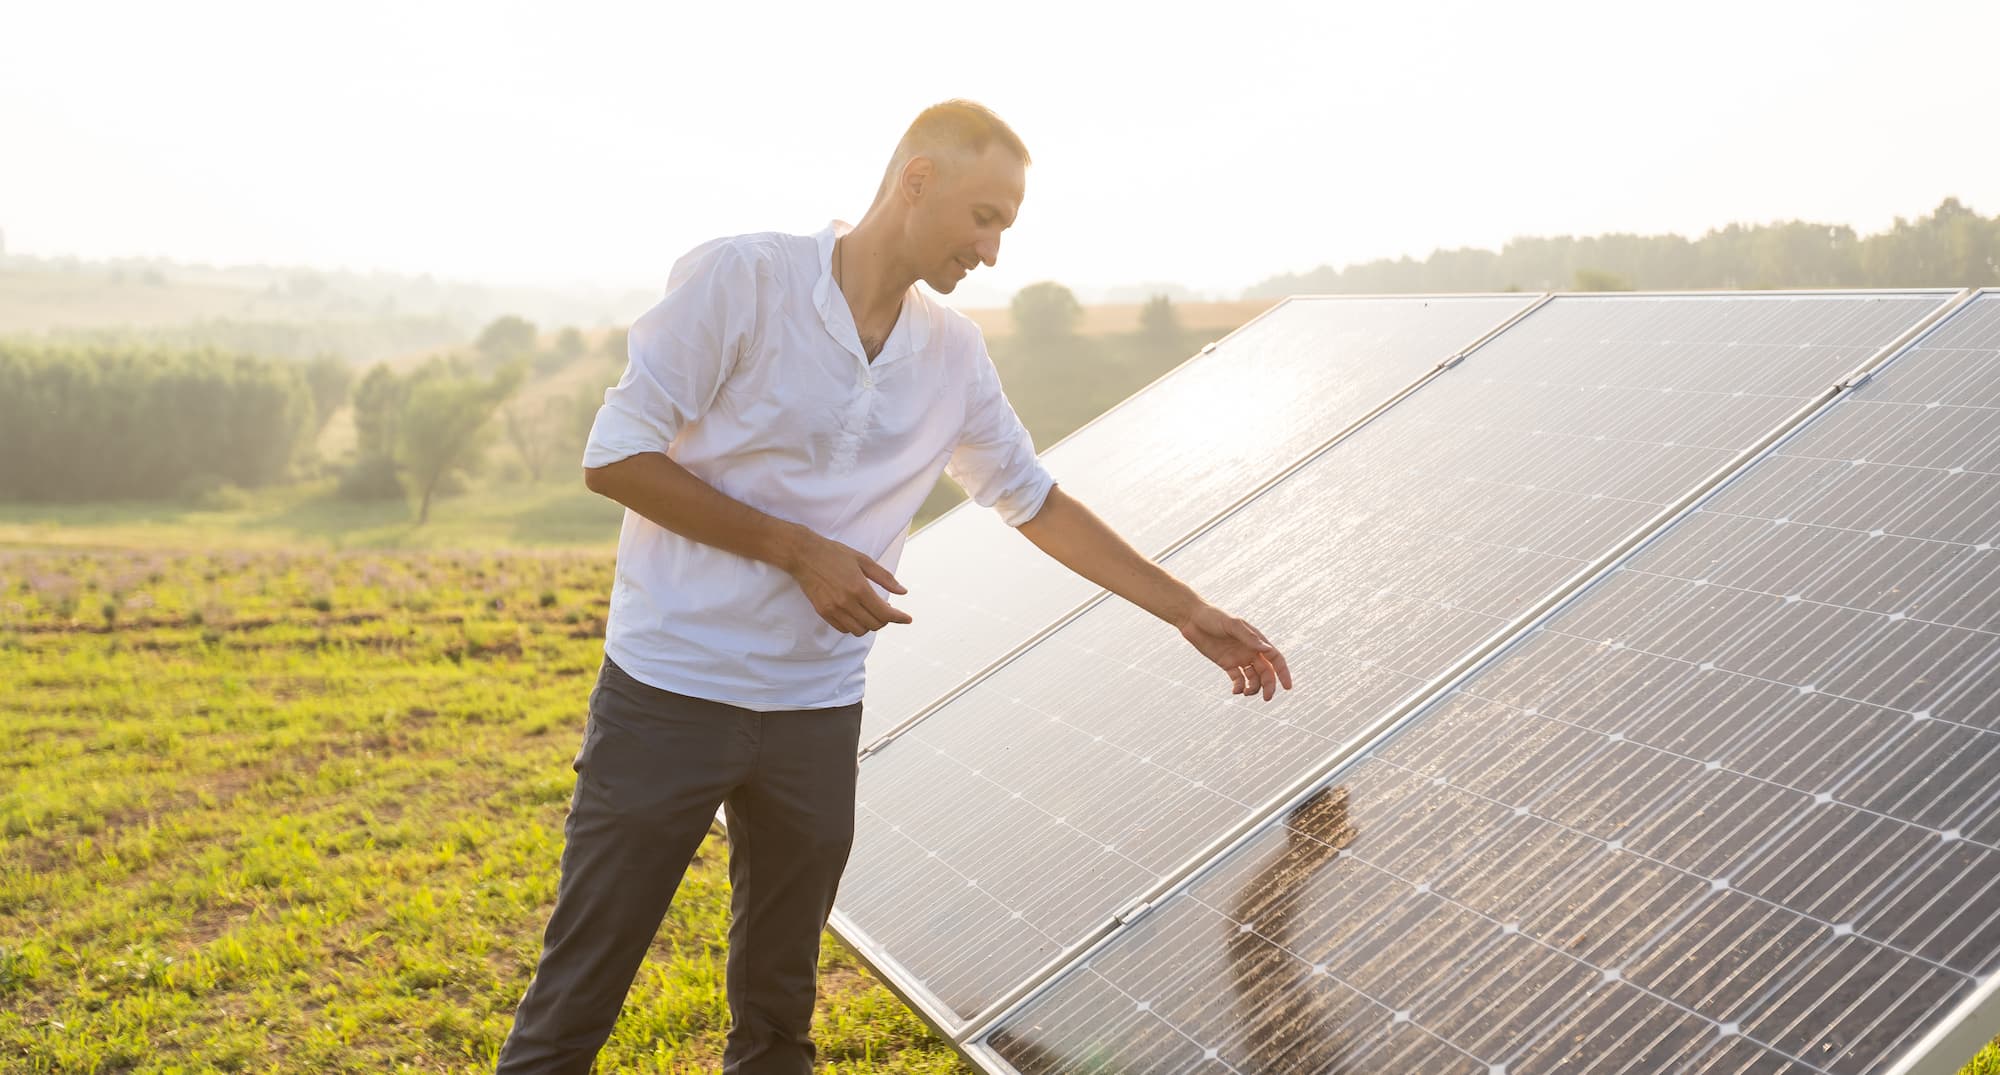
995	459
678	354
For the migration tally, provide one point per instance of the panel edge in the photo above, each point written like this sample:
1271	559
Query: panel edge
1961	1035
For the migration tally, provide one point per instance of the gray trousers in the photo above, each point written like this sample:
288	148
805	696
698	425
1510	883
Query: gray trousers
653	768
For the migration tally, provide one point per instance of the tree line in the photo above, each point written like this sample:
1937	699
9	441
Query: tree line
92	423
115	419
1952	247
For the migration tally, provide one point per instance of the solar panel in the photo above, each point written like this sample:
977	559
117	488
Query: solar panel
1108	755
1282	385
1736	808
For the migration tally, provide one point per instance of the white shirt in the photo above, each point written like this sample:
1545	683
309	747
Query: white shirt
750	373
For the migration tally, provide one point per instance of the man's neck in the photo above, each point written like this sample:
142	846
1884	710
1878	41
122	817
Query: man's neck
870	276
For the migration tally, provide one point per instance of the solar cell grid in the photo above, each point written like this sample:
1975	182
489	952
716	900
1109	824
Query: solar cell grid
1733	810
1284	384
1108	755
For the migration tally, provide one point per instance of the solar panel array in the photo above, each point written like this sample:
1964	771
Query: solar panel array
1283	386
1735	807
1456	510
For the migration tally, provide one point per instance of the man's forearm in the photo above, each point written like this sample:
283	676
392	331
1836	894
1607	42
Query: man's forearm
674	498
1080	541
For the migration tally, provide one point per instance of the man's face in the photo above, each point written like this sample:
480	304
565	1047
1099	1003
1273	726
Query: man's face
959	215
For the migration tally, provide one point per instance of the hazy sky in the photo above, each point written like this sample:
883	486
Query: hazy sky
586	142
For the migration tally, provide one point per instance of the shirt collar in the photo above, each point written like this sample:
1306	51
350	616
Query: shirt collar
913	325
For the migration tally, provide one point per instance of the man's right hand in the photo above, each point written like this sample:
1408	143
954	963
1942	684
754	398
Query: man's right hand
834	577
838	580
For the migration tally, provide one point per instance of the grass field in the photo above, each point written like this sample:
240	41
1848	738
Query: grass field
282	813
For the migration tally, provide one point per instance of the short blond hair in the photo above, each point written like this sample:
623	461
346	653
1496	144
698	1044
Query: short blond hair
952	132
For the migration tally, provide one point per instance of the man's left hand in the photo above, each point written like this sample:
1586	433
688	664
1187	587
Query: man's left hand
1254	665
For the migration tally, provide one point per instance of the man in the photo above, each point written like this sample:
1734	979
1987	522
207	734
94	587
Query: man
786	407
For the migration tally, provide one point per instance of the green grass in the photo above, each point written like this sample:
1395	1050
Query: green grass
270	812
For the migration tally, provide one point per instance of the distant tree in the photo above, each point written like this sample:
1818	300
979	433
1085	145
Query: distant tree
569	344
506	339
579	414
445	425
545	431
566	348
378	424
1600	280
1952	247
1045	311
378	411
613	345
524	423
329	377
1159	320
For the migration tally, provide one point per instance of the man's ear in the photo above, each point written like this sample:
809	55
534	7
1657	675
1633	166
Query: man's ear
919	175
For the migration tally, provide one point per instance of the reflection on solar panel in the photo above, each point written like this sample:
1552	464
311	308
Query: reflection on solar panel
1109	756
1734	809
1156	468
